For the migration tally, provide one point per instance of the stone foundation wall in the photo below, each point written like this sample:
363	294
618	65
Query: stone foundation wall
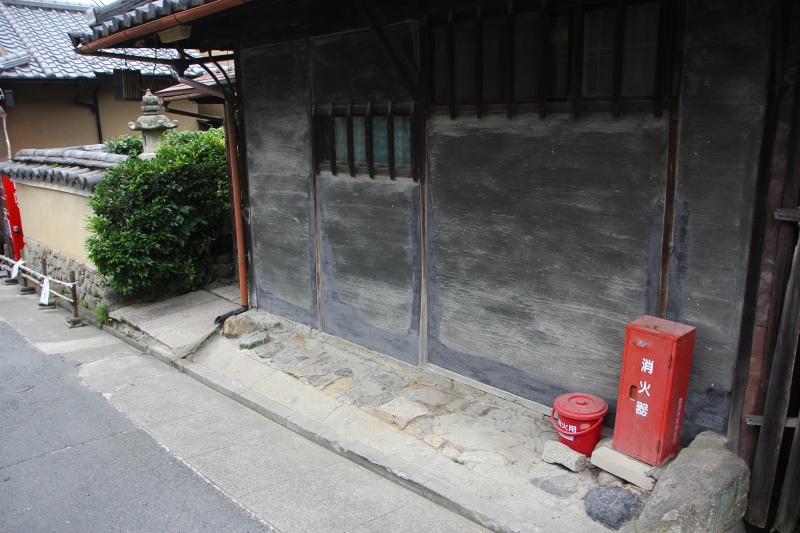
91	293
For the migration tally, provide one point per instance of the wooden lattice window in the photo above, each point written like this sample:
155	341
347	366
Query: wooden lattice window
367	139
593	55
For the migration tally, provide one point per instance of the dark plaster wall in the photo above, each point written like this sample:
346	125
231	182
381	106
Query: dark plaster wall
544	242
726	60
352	68
279	173
370	253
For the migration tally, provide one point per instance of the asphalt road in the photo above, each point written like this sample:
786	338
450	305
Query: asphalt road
69	461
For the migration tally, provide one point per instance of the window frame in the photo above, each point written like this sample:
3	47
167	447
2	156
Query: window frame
543	14
323	139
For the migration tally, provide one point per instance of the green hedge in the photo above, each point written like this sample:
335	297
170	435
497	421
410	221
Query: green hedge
155	219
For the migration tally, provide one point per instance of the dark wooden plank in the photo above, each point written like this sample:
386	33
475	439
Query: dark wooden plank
315	139
351	163
619	39
544	56
777	402
509	55
368	139
577	60
451	65
390	141
479	62
758	420
789	505
414	133
661	57
332	141
390	45
790	215
426	76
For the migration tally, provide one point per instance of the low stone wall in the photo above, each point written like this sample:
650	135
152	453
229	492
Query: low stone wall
91	293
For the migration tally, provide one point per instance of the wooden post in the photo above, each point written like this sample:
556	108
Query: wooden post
74	321
777	401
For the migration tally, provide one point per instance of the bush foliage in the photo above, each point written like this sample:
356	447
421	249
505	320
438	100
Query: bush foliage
125	145
155	219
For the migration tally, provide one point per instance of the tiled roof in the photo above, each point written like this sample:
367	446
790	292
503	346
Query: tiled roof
34	37
81	167
138	13
182	91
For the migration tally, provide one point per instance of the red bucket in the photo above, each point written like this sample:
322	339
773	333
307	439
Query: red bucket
580	416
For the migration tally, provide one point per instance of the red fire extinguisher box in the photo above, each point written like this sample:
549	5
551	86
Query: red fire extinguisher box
656	364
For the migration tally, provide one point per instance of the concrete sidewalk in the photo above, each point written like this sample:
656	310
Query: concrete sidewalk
472	452
285	480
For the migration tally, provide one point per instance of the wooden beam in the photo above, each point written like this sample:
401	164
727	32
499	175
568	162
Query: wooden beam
351	164
788	507
479	63
544	56
509	55
758	420
451	65
390	141
789	215
765	464
332	141
391	46
619	39
368	142
661	57
577	61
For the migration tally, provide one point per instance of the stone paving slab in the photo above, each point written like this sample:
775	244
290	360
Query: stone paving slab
181	323
468	450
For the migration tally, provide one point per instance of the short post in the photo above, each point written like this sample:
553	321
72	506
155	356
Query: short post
74	321
26	289
8	280
48	305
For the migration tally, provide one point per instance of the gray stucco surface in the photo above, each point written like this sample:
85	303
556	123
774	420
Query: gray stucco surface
726	62
540	234
370	252
352	68
279	173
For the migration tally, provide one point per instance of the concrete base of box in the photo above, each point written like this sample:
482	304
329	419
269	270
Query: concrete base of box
622	465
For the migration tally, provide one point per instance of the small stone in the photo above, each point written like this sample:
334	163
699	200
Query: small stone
556	452
372	400
296	342
670	516
483	457
434	440
300	371
612	506
560	486
606	478
450	452
251	340
499	414
344	372
401	411
340	385
413	429
238	325
321	381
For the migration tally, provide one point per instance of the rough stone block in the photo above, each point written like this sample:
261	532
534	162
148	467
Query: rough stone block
251	340
401	411
703	489
556	452
559	486
248	322
621	465
611	506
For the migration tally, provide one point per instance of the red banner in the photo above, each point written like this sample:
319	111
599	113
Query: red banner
11	218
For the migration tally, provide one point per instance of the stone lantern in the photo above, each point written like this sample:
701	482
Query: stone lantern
151	124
